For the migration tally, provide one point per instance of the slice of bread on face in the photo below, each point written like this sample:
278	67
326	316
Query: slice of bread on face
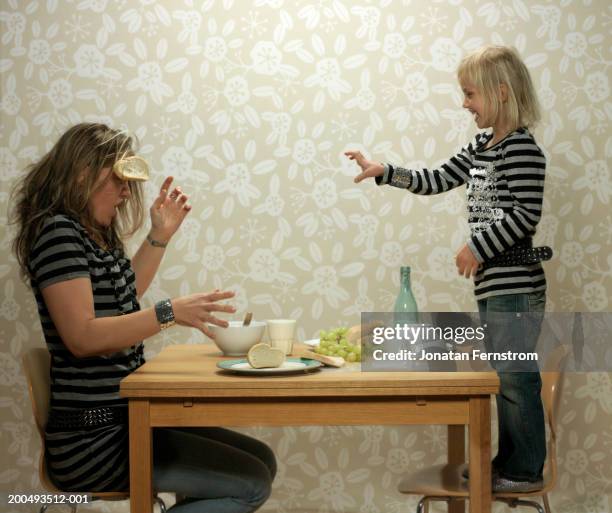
262	356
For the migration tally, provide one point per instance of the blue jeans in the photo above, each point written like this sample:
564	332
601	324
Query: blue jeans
520	415
215	469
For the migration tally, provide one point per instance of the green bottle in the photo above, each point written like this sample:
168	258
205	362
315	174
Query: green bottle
406	310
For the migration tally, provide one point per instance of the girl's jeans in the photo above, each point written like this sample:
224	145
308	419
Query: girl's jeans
520	415
215	469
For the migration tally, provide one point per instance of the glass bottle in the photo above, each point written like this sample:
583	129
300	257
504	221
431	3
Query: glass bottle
406	310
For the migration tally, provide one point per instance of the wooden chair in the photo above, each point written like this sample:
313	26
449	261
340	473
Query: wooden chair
36	364
445	482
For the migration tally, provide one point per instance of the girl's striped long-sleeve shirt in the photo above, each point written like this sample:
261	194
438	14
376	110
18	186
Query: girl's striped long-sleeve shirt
505	187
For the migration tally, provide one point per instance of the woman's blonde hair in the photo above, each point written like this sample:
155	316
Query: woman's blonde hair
491	66
63	181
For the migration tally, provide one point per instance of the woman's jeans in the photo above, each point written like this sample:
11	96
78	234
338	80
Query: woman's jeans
215	469
520	415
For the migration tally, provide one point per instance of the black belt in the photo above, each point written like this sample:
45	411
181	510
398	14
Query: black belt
85	418
520	256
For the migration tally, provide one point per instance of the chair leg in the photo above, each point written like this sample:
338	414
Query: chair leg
513	503
546	503
423	505
161	503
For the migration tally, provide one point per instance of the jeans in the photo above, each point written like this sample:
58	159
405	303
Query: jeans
520	414
215	469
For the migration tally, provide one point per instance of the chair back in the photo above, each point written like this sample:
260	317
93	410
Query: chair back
552	384
37	366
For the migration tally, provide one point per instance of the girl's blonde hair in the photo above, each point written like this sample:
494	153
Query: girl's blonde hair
491	66
63	181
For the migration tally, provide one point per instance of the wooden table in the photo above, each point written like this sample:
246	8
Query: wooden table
183	387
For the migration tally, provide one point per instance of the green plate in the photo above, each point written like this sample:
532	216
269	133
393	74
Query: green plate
289	366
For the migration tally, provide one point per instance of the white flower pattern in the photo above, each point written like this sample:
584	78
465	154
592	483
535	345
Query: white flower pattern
251	111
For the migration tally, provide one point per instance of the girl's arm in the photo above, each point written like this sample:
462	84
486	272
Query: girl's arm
451	174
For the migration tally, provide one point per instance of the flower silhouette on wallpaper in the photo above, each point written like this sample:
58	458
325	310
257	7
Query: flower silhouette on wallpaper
370	17
145	18
274	206
331	491
251	111
326	276
180	163
150	77
186	103
362	301
236	182
280	124
328	73
215	252
576	460
304	151
10	372
191	21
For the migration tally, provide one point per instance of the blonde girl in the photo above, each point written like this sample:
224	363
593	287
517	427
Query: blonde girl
504	171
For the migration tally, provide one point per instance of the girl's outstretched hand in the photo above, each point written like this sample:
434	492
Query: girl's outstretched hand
369	169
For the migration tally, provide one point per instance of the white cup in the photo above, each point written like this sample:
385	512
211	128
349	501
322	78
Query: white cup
281	333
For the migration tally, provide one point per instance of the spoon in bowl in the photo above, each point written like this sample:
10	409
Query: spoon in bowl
247	319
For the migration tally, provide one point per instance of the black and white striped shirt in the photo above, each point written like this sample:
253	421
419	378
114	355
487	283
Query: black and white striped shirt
505	187
93	459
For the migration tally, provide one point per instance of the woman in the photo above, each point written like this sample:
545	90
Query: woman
73	209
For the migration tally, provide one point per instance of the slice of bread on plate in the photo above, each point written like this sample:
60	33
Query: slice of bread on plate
262	356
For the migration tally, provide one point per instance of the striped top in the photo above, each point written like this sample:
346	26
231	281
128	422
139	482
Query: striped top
92	459
505	187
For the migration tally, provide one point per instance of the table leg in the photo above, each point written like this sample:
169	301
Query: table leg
141	456
456	456
480	454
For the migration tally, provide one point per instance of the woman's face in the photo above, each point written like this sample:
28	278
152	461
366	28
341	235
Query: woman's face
110	192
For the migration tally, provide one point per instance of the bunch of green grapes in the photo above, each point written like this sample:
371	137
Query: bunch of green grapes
335	343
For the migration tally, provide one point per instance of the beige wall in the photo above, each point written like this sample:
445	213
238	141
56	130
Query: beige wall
250	105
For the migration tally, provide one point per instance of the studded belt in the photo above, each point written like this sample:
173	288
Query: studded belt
520	256
85	418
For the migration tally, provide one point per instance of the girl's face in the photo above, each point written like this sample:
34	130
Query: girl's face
109	193
474	102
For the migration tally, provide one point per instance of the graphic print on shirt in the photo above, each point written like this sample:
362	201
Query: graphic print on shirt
482	198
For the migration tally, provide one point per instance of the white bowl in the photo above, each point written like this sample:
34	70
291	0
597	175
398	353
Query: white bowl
236	339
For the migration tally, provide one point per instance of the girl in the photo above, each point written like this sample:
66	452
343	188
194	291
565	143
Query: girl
504	172
72	209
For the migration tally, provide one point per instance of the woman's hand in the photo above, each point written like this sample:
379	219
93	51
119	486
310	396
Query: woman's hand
196	310
466	262
168	211
369	168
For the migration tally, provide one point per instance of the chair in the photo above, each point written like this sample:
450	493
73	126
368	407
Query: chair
445	482
36	364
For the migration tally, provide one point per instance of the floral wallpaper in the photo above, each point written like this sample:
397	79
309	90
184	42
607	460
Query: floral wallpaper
250	105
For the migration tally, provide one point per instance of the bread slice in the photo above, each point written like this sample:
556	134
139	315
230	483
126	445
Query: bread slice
262	356
330	361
